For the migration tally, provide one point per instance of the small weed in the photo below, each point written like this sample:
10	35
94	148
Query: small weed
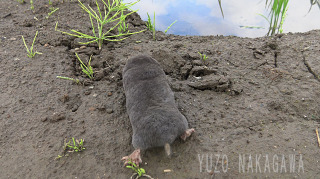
221	8
67	78
31	5
170	26
21	1
52	9
139	172
87	69
78	146
152	26
278	10
31	54
251	27
203	56
123	27
111	13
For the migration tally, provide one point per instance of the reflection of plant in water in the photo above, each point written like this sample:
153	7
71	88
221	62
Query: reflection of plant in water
313	2
221	8
278	10
77	146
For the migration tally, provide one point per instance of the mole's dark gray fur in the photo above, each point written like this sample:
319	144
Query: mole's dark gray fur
153	114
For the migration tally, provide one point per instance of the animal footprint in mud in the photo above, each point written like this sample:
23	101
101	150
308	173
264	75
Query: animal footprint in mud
202	71
72	101
211	82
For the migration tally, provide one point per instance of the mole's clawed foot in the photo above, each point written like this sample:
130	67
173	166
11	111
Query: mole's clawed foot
187	134
134	158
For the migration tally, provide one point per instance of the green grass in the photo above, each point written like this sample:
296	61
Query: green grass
152	25
87	69
277	15
52	9
21	1
123	27
111	12
139	172
30	52
170	26
220	5
136	169
31	5
75	146
77	81
203	56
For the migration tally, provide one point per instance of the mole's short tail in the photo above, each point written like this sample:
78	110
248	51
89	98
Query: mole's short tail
167	148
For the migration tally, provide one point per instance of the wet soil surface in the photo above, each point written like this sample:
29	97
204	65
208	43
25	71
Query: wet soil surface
254	103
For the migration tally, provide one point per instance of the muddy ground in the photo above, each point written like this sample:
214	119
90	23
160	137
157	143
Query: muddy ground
254	98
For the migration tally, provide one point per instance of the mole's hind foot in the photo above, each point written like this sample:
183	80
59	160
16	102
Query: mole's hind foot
187	134
134	158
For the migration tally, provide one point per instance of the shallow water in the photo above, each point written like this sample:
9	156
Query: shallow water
203	17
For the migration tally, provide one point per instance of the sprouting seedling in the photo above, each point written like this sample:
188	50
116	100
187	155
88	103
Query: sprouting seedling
78	146
277	15
203	56
21	1
71	79
52	9
31	54
250	27
152	25
113	12
170	26
87	69
123	27
50	2
138	171
149	23
31	5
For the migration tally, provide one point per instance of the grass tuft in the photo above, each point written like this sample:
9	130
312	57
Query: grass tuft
77	81
31	54
278	10
87	69
139	172
152	25
170	26
78	146
31	5
52	9
203	56
21	1
111	12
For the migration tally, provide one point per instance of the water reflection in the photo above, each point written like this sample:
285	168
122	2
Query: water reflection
203	17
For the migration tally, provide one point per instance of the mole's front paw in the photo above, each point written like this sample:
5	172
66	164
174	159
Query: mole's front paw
134	158
187	134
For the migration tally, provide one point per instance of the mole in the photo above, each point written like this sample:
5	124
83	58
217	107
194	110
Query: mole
154	116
